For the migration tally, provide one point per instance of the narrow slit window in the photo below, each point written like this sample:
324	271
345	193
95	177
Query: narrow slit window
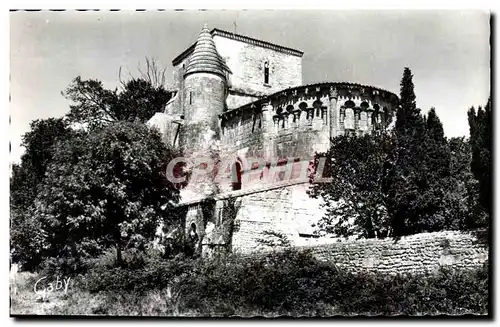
190	97
236	178
266	72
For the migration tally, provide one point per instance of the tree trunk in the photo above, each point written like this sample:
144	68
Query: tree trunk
369	228
119	259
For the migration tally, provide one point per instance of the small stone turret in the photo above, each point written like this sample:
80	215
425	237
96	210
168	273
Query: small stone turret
205	92
204	99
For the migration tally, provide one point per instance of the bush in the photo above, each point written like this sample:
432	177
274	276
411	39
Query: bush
64	266
295	283
140	272
291	283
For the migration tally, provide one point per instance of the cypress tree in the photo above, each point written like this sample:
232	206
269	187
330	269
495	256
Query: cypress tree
480	125
404	181
435	177
437	150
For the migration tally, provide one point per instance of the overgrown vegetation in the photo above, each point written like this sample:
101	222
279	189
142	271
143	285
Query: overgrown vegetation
283	283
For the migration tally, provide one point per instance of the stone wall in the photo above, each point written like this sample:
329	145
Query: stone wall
246	62
420	253
261	216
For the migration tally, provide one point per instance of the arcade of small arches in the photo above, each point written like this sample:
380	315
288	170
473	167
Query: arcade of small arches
350	118
357	107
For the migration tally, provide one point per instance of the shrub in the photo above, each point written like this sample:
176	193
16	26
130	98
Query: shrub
140	272
291	283
64	266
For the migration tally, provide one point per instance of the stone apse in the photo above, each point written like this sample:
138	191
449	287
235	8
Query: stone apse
239	103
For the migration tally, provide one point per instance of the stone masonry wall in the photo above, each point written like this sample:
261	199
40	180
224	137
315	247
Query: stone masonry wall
285	210
246	62
420	253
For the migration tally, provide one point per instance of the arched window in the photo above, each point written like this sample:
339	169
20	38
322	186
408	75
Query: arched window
387	116
349	104
193	235
349	118
266	72
236	176
375	114
317	106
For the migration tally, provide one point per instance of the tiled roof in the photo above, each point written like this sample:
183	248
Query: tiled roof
205	57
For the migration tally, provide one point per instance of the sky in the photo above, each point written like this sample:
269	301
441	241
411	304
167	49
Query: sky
447	51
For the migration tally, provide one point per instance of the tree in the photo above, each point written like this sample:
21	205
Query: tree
407	115
26	238
461	200
480	124
434	178
27	241
153	74
406	176
437	150
106	188
355	202
30	172
94	106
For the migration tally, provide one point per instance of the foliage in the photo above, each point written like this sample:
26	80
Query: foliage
274	239
462	210
94	106
406	182
106	188
419	180
139	272
39	152
433	179
27	240
354	200
481	133
293	283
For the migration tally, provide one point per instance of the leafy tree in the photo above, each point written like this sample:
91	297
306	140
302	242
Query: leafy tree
434	178
38	144
461	199
27	241
355	202
480	124
26	238
106	188
94	106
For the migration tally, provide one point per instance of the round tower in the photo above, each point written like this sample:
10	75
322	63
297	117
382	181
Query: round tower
204	98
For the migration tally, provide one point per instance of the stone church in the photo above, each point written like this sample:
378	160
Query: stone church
241	113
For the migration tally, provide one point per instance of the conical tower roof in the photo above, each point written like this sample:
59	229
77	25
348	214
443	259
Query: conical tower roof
205	57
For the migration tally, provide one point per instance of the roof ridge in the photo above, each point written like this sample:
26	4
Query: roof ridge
234	36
